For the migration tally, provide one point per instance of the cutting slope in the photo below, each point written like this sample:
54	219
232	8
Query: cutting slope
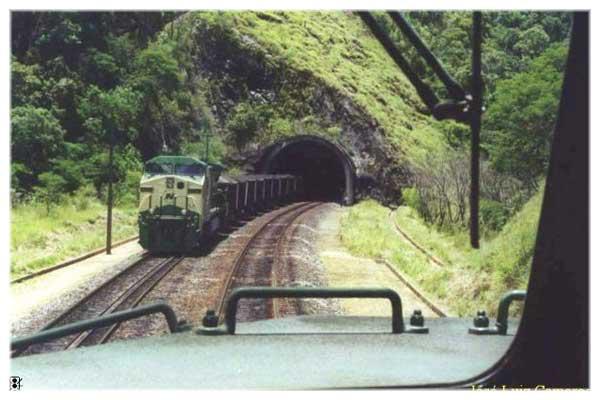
318	72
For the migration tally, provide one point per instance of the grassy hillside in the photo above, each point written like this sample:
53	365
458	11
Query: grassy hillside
472	279
332	49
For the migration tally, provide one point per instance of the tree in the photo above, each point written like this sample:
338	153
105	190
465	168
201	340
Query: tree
76	77
27	85
157	76
36	138
50	189
71	171
110	114
19	172
520	121
101	68
532	41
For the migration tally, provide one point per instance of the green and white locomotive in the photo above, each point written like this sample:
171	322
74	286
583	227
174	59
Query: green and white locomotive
184	201
178	203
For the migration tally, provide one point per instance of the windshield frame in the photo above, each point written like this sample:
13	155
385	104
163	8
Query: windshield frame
153	168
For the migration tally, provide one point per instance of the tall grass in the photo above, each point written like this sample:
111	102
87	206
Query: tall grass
366	231
76	225
472	279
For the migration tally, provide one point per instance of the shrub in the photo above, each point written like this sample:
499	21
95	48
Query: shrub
83	197
197	149
493	215
126	192
442	186
51	189
245	122
71	172
410	197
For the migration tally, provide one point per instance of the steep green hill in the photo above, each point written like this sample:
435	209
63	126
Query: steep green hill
316	72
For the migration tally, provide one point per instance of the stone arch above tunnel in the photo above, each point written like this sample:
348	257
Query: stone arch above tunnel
327	170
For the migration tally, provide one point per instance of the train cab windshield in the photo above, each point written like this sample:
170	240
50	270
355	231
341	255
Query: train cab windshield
165	165
385	225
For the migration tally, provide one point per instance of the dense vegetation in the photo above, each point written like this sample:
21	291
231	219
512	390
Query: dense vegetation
82	79
524	57
154	82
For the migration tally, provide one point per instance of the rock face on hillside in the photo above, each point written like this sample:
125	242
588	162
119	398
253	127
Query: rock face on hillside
237	69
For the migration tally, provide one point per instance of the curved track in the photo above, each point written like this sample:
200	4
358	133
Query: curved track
257	261
416	245
124	290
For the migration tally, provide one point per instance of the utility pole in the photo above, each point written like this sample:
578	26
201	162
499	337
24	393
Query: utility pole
477	93
207	137
110	194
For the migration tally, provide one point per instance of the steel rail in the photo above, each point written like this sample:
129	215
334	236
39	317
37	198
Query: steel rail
120	316
279	260
413	288
419	247
62	316
222	299
160	271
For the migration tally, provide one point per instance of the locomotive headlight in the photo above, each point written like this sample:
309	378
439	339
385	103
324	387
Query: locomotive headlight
183	212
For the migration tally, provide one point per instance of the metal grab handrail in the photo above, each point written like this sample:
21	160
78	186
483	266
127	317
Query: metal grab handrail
324	293
501	327
505	301
93	323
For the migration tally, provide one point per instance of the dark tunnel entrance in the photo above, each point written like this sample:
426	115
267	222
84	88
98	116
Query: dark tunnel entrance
327	171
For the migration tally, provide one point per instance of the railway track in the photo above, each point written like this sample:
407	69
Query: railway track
416	245
281	307
411	286
260	260
264	260
435	309
261	253
125	290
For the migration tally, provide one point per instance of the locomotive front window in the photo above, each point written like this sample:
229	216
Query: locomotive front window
192	170
157	169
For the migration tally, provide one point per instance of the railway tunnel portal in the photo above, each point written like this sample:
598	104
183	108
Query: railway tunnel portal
328	172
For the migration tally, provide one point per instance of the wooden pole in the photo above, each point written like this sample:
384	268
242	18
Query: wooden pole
110	197
476	89
207	147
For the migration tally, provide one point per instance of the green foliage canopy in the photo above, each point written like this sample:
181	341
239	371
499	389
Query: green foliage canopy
520	121
37	137
110	115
